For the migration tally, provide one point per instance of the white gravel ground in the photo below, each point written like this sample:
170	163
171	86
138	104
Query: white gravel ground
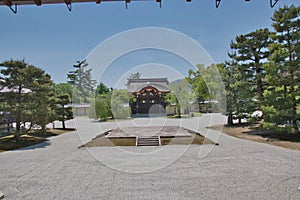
236	169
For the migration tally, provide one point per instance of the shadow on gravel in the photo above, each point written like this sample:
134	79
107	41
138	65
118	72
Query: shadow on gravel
36	146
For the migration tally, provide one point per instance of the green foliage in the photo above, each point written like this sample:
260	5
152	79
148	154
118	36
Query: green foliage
28	92
274	127
195	78
283	74
249	53
102	89
110	104
81	79
180	95
238	98
207	84
120	104
102	106
269	126
63	113
67	88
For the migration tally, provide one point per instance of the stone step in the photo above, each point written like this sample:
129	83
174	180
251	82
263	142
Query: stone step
148	141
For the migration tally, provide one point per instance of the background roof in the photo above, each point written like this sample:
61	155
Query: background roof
136	85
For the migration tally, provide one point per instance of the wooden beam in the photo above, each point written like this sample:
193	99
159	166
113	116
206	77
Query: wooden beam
38	2
8	2
68	2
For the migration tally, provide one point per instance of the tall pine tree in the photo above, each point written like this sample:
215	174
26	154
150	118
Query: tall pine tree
284	67
250	52
81	79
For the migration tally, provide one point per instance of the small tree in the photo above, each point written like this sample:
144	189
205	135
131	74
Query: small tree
102	106
120	104
63	112
180	95
199	87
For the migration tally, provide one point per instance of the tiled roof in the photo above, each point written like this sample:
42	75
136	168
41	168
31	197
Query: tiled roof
136	85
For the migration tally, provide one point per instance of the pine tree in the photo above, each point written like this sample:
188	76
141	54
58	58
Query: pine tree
81	79
238	100
28	90
284	66
136	75
250	52
63	113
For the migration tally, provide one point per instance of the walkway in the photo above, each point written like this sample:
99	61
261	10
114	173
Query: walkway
236	169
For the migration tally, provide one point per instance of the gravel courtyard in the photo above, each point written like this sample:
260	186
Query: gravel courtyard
236	169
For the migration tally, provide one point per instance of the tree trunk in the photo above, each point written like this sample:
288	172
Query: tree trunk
18	130
259	83
294	110
178	108
240	121
44	130
63	120
63	124
230	119
179	111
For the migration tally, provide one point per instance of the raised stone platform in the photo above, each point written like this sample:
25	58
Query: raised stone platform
165	131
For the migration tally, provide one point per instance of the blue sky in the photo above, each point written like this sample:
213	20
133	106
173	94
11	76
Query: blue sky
53	38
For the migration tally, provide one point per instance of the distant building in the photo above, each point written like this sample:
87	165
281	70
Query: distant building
80	109
148	95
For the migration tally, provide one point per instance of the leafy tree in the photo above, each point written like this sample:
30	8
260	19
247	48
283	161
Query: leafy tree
82	80
284	67
120	104
250	52
28	90
199	87
180	95
102	89
207	84
102	106
67	88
